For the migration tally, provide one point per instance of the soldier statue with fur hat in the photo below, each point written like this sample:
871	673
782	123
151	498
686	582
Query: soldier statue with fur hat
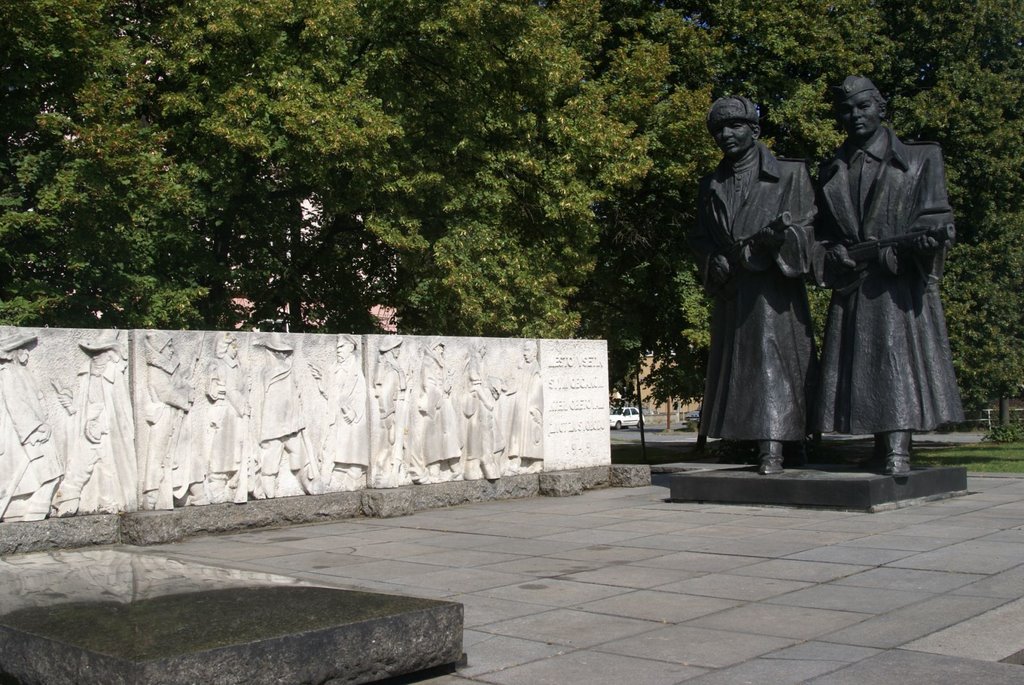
752	238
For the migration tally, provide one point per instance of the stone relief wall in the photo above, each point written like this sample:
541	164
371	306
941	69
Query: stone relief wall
108	421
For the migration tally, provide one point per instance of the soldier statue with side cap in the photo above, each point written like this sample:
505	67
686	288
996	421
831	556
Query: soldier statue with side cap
884	228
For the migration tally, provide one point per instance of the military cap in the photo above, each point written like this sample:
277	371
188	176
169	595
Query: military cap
389	343
276	342
16	340
345	339
107	340
852	85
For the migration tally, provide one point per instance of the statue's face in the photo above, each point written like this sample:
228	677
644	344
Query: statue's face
227	348
98	362
860	115
736	138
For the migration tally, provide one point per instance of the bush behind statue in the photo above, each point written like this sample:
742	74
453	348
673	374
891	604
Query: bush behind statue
1007	432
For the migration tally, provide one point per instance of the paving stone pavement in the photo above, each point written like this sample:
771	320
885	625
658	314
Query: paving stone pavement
619	586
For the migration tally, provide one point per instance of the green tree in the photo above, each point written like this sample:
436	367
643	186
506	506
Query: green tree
953	71
284	147
92	230
654	69
958	78
305	159
485	168
507	146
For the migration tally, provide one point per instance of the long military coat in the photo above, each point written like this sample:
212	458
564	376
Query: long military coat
761	368
886	363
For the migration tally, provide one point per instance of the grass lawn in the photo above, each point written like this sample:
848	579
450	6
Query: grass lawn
657	453
1005	457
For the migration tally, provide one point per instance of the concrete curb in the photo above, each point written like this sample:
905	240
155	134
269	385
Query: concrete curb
158	527
59	533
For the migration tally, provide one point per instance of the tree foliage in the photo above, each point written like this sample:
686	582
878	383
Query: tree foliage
958	78
483	167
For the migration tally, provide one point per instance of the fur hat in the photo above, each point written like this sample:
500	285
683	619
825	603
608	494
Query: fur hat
731	108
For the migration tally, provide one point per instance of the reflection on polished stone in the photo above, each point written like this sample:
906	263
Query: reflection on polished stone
39	580
113	617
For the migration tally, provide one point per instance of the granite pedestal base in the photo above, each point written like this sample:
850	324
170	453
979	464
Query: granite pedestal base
222	632
834	487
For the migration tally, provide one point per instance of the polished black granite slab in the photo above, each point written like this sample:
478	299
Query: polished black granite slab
137	623
838	487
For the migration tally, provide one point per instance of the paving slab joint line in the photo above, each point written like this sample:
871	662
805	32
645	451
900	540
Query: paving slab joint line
916	501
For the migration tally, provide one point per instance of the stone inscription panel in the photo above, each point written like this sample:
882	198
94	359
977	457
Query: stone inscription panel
575	375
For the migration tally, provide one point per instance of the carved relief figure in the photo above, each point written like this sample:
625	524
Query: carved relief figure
753	239
288	465
29	464
171	472
435	441
885	228
526	432
346	444
391	389
484	444
101	474
227	447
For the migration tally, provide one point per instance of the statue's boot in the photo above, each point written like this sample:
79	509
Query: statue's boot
897	452
218	487
771	457
269	482
38	506
34	507
197	494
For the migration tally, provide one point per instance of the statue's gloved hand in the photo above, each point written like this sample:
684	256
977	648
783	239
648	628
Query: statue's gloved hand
926	245
838	259
889	260
40	435
770	239
718	269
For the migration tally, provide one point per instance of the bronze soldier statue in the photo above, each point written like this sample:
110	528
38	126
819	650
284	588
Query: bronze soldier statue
884	229
753	239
